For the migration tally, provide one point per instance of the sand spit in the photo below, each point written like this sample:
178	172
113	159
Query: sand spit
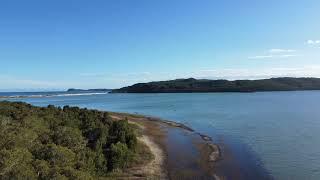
155	135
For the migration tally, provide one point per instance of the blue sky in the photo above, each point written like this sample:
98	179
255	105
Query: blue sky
111	43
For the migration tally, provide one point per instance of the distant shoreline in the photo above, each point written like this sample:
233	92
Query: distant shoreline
50	94
103	93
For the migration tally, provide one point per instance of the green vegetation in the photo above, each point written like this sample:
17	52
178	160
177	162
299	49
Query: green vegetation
63	143
205	85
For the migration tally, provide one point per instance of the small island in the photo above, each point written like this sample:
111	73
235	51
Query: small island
192	85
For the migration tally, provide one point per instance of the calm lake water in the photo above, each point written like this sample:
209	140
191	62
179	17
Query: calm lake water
268	133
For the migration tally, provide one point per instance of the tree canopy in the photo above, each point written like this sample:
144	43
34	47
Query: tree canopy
62	143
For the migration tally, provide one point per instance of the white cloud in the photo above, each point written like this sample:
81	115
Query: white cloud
278	51
21	81
8	82
226	73
313	42
272	56
92	74
261	57
257	73
275	53
129	78
286	55
106	75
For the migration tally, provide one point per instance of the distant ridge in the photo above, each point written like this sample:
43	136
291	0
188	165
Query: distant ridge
205	85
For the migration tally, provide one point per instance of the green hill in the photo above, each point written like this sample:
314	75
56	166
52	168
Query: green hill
205	85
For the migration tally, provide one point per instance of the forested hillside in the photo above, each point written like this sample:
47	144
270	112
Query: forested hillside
205	85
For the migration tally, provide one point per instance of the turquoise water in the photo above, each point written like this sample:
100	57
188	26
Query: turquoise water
276	133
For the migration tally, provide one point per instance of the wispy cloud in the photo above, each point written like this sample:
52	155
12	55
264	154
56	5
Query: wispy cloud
129	78
272	56
92	74
313	42
287	55
109	75
22	81
13	83
257	73
275	53
17	82
260	57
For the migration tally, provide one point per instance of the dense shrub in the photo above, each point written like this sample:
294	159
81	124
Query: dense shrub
121	131
120	155
61	143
